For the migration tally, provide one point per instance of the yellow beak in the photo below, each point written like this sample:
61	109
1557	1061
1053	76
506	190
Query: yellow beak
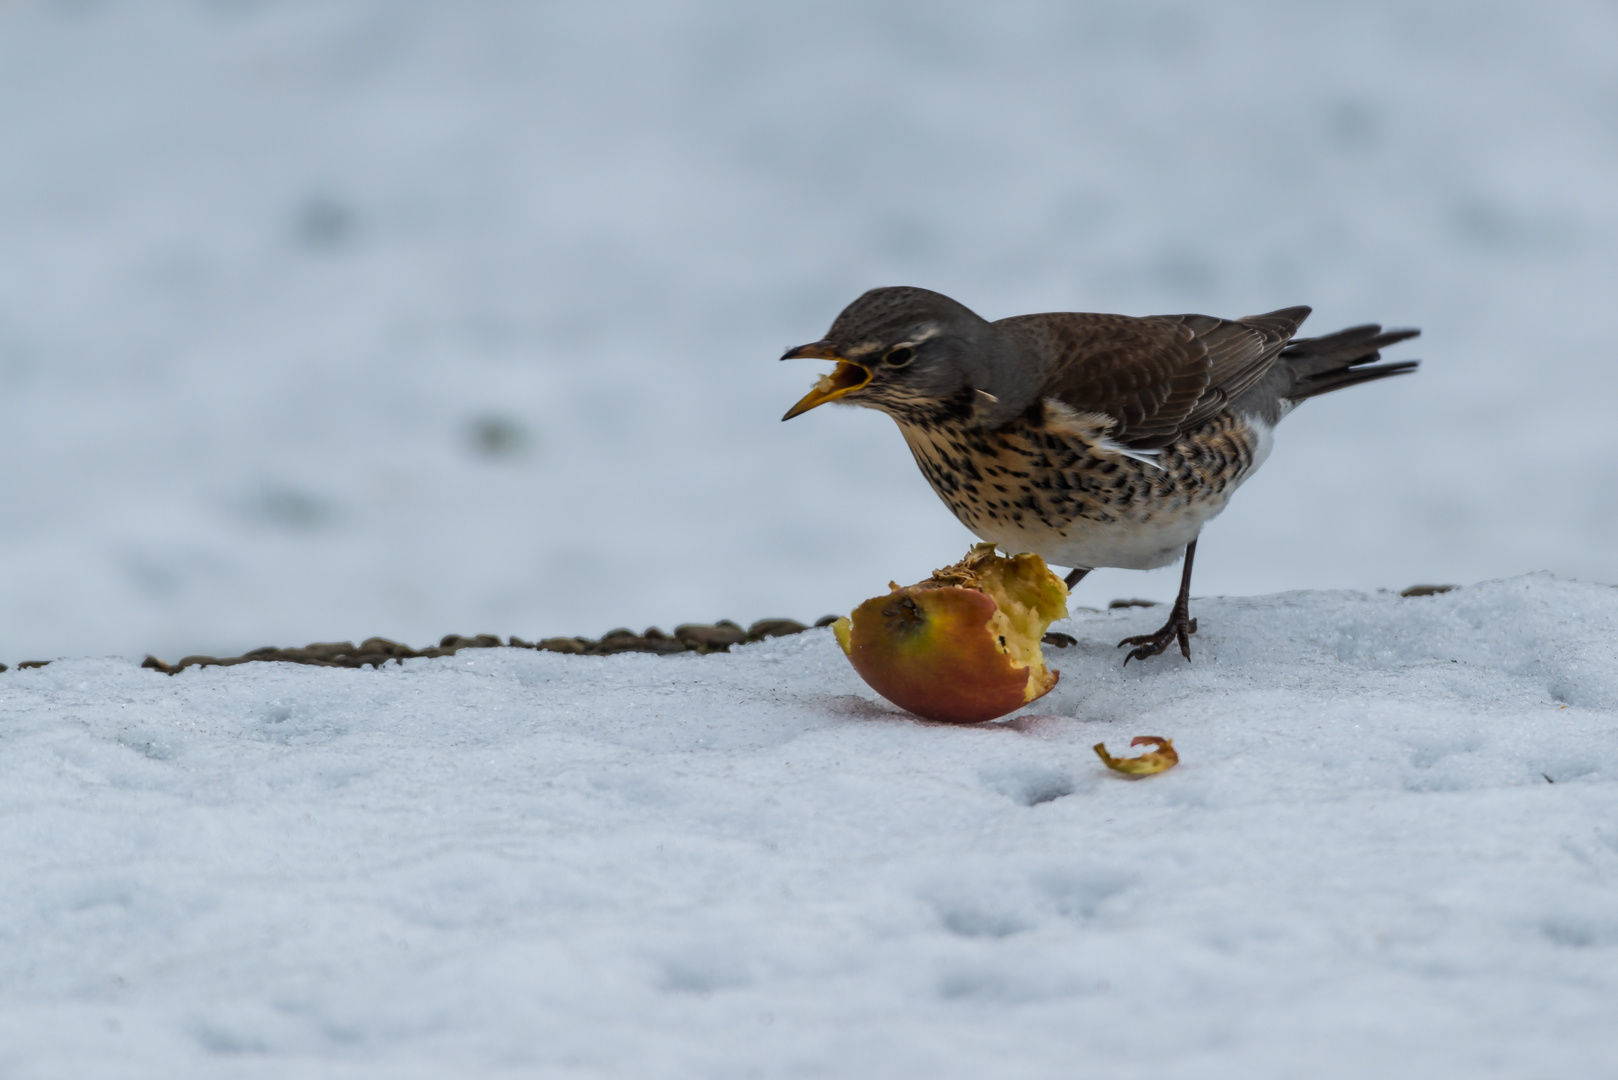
845	379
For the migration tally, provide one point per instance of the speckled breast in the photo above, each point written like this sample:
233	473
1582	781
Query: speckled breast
1031	489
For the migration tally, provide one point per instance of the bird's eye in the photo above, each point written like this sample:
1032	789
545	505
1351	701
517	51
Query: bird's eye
900	356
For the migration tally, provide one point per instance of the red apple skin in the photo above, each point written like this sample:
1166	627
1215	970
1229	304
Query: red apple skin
929	650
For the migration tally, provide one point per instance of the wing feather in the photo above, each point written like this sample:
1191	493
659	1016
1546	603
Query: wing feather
1157	377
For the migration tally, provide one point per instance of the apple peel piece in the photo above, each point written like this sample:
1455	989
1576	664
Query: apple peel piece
1159	760
963	646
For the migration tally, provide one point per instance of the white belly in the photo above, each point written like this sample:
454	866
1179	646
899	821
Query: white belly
1131	545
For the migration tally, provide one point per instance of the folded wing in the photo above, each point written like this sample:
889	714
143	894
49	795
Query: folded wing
1157	377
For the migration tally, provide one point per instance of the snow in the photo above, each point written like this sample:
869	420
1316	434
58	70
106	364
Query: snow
324	320
268	267
1389	850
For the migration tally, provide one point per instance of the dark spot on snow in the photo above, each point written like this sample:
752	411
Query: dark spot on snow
323	223
971	984
1353	125
497	436
1059	640
701	974
1428	590
1574	934
1079	892
290	508
1131	603
1048	790
148	749
1031	785
859	708
1570	769
1426	757
971	920
217	1040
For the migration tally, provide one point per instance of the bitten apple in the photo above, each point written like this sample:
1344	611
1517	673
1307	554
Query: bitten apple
964	645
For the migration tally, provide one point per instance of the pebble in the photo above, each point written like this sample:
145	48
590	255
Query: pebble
376	651
714	637
768	628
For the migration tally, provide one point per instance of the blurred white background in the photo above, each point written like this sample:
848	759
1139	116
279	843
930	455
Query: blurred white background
329	318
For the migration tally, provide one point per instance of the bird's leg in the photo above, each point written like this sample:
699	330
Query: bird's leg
1075	575
1180	625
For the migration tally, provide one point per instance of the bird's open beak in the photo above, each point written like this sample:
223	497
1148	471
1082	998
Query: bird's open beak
845	379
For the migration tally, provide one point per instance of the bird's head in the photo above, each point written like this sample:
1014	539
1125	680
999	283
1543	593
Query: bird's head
900	350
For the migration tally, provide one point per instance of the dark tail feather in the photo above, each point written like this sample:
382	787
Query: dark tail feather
1323	364
1353	376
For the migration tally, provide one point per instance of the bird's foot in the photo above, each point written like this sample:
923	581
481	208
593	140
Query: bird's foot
1179	627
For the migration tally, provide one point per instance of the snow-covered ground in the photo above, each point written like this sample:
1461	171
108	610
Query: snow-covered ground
1391	849
322	319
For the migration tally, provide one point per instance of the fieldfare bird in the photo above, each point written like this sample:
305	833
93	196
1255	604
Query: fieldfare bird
1090	440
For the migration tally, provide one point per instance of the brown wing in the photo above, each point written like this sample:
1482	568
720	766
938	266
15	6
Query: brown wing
1146	374
1157	377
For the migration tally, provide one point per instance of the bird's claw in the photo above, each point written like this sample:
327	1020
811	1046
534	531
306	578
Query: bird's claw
1179	627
